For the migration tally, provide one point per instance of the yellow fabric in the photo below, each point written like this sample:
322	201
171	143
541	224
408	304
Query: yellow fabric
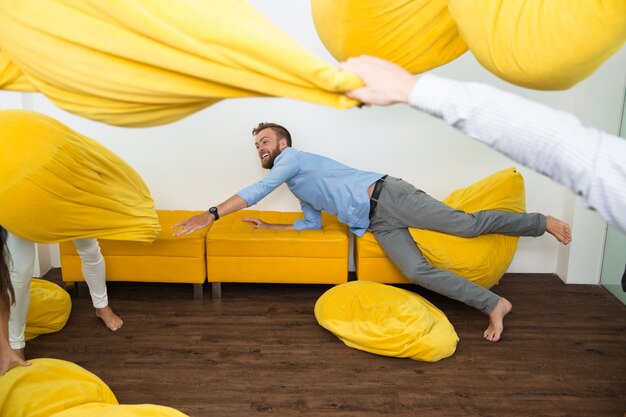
12	78
483	259
121	410
56	185
145	63
167	259
541	44
49	309
49	386
385	320
416	34
236	252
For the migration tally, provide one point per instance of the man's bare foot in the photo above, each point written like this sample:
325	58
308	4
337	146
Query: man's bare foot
496	320
559	229
110	319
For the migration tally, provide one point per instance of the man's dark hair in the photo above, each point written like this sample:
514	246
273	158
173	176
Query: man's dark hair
279	130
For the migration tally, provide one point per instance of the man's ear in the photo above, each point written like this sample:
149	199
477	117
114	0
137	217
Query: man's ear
282	144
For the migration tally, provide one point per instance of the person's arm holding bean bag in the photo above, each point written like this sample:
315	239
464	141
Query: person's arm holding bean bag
588	161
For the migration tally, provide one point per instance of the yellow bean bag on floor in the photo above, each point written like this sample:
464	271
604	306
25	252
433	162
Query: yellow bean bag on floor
145	62
49	309
416	34
49	386
108	410
387	321
57	185
541	44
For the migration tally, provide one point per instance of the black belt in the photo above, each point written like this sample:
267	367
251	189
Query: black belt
374	199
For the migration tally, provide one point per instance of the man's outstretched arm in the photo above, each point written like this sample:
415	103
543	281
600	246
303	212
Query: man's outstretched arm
190	225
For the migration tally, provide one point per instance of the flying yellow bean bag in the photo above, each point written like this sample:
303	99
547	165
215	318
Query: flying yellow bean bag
145	62
56	185
387	321
416	34
49	386
541	44
49	309
482	260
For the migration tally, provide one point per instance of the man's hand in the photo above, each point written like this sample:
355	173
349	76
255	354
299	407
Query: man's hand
258	223
9	359
194	223
385	82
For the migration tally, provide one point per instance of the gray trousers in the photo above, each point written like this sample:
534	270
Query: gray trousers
400	206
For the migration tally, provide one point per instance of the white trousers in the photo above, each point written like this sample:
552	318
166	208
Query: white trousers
21	265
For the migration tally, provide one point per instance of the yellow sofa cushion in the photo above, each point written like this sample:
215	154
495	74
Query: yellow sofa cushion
166	259
416	34
56	185
49	386
49	309
120	410
387	321
541	44
145	63
483	259
237	252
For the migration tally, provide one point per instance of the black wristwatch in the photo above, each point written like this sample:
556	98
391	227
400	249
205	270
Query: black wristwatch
213	211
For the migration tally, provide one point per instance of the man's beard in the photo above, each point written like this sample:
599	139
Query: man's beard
269	162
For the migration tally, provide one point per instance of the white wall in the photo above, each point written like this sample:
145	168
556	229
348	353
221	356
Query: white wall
203	159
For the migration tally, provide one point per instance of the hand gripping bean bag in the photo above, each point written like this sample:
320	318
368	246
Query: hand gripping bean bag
147	62
49	386
386	320
57	185
541	44
416	34
49	309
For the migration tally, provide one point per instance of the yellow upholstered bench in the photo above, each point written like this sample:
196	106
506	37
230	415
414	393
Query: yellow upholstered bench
168	259
236	252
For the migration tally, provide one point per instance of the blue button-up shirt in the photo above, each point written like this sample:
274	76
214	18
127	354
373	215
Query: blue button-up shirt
319	183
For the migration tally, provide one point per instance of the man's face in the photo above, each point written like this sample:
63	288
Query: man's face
268	146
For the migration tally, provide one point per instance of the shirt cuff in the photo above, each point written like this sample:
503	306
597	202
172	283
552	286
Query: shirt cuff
299	225
429	93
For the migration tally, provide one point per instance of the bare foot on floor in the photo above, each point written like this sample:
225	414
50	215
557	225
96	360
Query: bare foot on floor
110	319
559	229
496	320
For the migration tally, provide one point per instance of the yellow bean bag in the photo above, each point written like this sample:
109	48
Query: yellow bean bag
416	34
483	259
145	62
385	320
49	386
49	309
109	410
541	44
56	185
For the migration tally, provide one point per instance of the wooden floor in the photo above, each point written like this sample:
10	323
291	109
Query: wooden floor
259	351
